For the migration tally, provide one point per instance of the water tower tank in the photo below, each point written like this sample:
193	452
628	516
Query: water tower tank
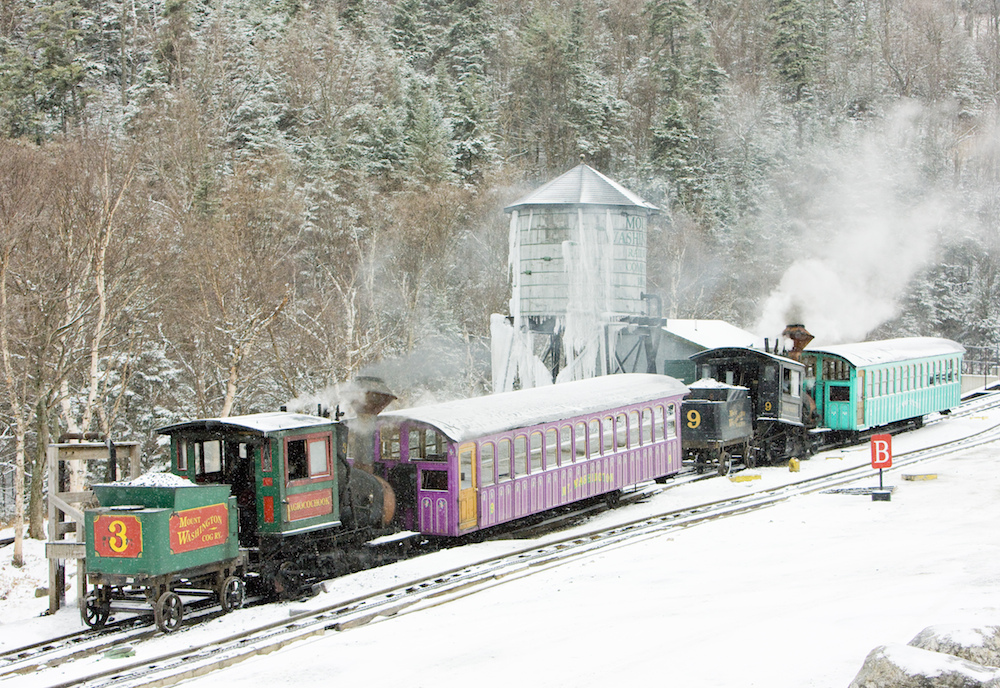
579	242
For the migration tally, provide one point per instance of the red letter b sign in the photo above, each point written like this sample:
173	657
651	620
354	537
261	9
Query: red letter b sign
881	451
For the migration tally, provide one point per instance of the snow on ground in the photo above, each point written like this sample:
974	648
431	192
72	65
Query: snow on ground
795	595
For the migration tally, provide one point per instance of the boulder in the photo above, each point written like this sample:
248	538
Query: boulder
903	666
980	645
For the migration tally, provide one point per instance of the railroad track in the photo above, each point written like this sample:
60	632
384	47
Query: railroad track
55	662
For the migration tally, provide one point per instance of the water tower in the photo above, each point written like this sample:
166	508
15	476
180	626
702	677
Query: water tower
577	264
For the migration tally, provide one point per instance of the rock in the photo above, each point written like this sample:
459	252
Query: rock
41	592
980	645
903	666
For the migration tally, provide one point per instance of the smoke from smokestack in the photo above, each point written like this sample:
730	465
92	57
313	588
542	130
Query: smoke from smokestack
871	223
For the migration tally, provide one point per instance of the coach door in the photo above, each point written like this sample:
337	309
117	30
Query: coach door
467	515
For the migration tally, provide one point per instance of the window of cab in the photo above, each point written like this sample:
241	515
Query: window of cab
307	458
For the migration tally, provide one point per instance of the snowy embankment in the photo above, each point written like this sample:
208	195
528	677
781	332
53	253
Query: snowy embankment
796	595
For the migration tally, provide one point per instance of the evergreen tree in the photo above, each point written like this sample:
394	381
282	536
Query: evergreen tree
795	45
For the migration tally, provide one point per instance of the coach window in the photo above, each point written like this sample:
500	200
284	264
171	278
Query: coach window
621	427
551	448
503	459
520	455
633	429
436	481
671	419
647	426
581	441
951	370
658	424
595	438
810	363
609	435
428	445
389	446
536	451
566	444
486	464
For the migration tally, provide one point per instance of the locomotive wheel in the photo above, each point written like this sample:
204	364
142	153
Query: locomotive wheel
169	612
725	462
749	458
96	608
232	594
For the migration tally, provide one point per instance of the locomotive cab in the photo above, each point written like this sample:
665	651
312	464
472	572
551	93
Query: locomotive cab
776	396
775	382
288	472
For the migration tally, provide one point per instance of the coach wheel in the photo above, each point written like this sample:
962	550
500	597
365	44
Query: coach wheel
169	612
232	595
96	608
612	499
725	462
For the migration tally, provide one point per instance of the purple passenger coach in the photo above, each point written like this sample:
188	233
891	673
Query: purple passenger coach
461	466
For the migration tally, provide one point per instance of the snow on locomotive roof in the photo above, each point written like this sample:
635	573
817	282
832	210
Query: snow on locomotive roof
730	351
890	350
263	423
710	383
465	419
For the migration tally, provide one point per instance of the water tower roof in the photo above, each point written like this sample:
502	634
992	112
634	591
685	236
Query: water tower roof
583	185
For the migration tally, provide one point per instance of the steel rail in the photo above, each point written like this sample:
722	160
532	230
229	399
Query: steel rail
467	578
459	582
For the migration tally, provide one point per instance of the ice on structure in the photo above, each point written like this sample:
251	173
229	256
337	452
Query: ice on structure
157	480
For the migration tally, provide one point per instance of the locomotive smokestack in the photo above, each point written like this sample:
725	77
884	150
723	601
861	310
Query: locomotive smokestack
800	339
372	395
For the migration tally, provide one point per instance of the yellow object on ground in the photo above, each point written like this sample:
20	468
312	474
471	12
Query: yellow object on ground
921	476
793	465
744	478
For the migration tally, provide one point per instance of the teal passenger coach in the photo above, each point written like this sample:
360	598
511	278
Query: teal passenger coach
872	384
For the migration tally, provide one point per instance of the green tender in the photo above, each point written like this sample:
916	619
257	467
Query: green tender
153	507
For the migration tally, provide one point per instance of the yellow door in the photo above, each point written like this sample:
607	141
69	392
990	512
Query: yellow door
467	516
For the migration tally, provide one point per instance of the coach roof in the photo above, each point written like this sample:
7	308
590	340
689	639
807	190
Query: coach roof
890	350
466	419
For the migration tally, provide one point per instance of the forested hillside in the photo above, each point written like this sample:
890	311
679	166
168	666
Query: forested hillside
219	206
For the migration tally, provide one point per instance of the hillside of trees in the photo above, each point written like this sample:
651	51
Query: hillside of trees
220	206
